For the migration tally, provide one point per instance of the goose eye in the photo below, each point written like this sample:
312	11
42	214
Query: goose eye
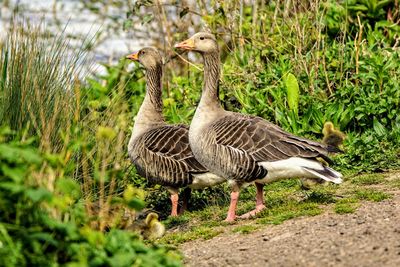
202	38
143	52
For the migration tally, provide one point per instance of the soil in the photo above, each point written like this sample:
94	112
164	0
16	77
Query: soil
368	237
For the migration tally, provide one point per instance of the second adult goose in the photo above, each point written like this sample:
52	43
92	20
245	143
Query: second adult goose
161	151
244	148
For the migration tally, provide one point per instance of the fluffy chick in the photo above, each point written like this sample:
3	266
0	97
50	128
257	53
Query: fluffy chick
332	137
153	228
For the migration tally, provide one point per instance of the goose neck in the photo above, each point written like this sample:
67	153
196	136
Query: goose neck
210	94
150	111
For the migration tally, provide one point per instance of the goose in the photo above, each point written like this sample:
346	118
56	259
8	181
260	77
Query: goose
332	137
244	148
152	229
161	151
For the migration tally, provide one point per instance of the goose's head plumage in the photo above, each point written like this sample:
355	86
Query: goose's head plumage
202	42
149	57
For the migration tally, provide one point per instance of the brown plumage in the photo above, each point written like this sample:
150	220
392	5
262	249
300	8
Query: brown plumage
244	148
160	151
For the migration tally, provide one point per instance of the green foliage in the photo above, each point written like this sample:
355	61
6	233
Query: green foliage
292	88
63	194
353	82
37	82
33	232
378	17
63	168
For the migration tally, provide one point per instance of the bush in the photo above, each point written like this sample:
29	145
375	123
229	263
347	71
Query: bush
64	194
43	228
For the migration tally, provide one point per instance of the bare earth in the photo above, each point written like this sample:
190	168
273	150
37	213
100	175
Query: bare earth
368	237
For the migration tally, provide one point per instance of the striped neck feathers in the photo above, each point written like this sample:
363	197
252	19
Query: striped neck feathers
150	111
210	94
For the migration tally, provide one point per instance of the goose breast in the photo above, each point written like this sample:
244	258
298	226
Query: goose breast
163	156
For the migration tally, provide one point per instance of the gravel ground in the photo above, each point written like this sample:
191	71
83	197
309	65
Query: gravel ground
368	237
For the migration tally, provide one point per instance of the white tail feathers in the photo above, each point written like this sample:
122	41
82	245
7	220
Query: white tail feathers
299	168
328	174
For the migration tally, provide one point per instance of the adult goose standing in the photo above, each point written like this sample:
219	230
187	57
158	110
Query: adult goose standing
161	151
244	148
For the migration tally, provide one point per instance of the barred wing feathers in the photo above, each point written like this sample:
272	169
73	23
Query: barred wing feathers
247	140
163	155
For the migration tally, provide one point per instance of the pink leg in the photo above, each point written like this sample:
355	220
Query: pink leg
259	203
232	207
174	201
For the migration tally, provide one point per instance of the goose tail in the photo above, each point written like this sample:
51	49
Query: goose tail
326	173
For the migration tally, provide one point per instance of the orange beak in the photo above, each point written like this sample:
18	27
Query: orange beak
187	44
134	56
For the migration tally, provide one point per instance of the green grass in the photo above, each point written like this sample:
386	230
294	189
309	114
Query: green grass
203	232
395	183
368	179
371	195
347	205
290	210
38	81
245	229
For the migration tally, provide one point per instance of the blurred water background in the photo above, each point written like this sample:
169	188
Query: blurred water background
99	21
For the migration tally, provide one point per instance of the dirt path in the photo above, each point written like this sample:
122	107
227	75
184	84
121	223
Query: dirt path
368	237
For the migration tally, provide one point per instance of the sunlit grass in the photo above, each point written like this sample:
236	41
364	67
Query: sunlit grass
368	179
371	195
39	83
347	205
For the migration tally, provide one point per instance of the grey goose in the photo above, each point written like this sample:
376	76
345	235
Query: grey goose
161	151
243	148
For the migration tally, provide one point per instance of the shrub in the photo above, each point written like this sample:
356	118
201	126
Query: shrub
43	228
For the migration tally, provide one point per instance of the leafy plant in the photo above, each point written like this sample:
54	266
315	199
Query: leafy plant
40	227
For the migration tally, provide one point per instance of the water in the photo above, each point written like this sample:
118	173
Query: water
78	22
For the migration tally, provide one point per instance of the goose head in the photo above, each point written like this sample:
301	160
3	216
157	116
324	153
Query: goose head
202	42
149	57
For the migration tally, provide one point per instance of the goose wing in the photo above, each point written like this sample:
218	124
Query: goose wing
263	140
164	156
246	140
